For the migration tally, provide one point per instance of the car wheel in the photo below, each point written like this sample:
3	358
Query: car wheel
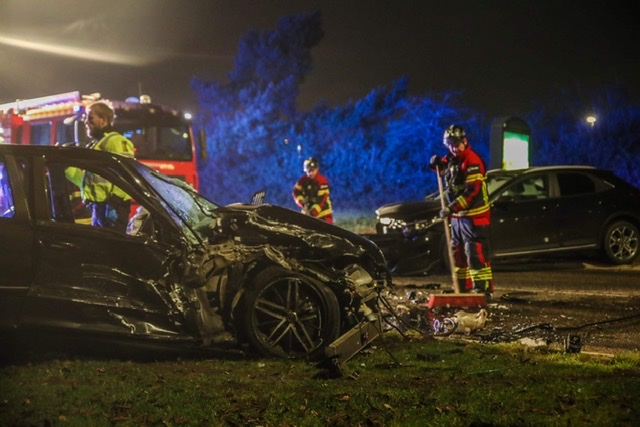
621	242
289	315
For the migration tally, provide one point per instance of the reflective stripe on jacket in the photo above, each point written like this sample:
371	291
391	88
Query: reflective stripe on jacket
466	188
314	193
94	188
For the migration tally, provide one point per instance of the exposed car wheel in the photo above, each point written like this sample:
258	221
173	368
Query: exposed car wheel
289	315
621	242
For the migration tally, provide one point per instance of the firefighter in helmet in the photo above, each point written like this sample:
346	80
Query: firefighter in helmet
467	203
311	192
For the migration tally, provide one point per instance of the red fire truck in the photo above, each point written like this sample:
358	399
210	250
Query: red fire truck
163	137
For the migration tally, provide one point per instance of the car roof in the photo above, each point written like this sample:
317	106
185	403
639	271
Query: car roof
535	169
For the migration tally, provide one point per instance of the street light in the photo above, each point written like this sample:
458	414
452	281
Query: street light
591	120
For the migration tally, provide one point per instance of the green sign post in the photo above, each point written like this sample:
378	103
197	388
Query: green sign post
510	144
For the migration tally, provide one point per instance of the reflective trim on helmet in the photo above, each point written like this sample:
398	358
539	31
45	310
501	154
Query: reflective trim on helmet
454	135
310	164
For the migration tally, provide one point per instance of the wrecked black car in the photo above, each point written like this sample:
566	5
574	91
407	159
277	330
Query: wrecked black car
188	273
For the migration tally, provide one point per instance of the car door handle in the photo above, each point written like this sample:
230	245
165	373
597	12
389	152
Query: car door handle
58	245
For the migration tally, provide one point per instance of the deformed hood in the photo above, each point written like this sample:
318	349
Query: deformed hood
283	227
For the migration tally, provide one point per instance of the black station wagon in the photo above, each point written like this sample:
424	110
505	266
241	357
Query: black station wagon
188	273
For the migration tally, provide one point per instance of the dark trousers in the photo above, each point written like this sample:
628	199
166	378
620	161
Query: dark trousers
113	213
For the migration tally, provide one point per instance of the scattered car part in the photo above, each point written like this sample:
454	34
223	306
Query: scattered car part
573	344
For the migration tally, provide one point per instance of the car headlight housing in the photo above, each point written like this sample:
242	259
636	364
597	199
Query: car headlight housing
420	227
391	224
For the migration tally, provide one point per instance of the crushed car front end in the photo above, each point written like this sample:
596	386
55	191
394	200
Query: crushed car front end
276	281
288	285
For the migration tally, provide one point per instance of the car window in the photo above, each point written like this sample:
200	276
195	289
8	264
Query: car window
494	182
64	197
530	188
62	184
572	184
40	134
7	209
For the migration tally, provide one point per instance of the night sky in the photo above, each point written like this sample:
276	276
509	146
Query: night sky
498	56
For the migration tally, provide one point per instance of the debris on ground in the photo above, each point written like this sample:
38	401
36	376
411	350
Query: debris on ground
530	318
432	313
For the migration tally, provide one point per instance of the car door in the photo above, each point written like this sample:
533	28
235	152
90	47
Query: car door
581	208
16	240
522	217
94	280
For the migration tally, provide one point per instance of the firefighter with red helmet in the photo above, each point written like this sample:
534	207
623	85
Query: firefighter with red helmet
467	204
311	192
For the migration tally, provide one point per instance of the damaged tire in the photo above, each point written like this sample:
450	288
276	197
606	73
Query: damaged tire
621	242
288	315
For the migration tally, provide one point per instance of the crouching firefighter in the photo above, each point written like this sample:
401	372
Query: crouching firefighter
311	192
468	207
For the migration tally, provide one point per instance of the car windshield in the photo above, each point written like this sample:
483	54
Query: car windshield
189	209
497	179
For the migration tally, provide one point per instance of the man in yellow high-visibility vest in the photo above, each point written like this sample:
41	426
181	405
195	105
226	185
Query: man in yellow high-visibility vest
110	206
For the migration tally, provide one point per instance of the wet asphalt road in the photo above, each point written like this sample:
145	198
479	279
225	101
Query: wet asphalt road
557	276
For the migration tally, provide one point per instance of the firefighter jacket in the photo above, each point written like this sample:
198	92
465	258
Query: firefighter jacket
466	190
312	196
94	188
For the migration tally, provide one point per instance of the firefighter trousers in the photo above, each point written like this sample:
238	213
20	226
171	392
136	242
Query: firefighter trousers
472	268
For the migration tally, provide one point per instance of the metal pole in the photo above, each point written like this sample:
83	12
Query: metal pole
447	233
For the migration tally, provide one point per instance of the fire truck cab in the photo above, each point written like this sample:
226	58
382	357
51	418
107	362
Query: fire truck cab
163	137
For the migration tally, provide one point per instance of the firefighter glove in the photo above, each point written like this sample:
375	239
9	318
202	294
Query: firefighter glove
436	161
306	207
445	212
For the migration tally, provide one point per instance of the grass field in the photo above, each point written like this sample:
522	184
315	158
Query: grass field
361	222
400	381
